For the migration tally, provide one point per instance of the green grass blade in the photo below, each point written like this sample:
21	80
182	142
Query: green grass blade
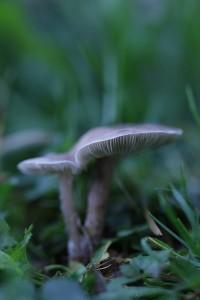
164	246
183	232
170	231
183	180
192	105
187	209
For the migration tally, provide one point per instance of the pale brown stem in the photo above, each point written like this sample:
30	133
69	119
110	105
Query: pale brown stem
97	198
71	218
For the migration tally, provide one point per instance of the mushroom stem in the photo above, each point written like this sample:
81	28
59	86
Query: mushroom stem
71	218
97	198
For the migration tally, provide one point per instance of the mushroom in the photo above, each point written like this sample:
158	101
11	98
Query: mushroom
108	144
65	166
25	139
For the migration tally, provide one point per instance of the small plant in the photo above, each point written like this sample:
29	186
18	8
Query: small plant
13	258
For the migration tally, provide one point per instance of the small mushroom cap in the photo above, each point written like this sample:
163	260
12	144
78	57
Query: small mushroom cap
52	163
122	139
25	139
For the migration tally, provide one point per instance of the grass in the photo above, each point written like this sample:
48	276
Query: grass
160	269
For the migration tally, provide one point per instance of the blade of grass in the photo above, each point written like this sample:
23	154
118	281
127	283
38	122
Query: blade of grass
175	220
170	231
189	212
164	246
159	244
183	180
185	233
192	105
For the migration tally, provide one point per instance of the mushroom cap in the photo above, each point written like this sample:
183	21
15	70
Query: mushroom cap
102	142
25	139
52	163
122	139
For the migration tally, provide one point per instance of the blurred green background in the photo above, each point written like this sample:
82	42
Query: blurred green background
67	66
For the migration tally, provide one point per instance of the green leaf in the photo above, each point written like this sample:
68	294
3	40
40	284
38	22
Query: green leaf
153	264
6	240
8	263
101	253
115	283
130	231
62	289
27	236
18	289
134	293
131	271
19	251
